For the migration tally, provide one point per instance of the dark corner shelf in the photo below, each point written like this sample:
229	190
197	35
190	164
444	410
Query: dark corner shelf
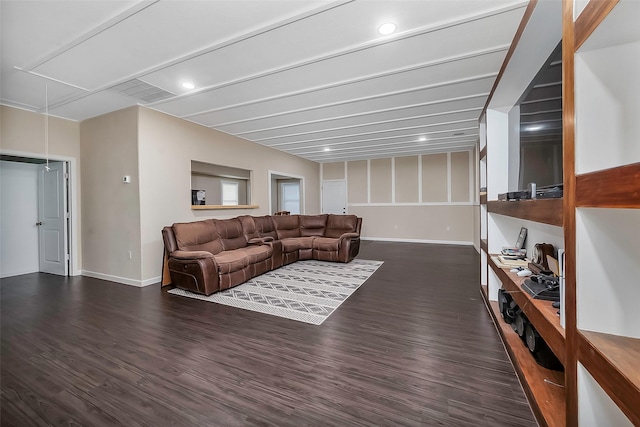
547	211
544	387
484	245
610	188
612	360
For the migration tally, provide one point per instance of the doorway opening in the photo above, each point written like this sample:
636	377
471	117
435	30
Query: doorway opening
37	215
286	193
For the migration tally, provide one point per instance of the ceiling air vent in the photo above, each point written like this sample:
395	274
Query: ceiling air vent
142	91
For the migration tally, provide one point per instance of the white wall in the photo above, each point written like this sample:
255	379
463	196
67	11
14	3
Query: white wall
18	216
22	134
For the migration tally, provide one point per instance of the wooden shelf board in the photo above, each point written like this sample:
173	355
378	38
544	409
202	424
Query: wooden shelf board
540	313
211	207
547	211
617	187
484	290
544	388
483	152
592	15
483	198
484	245
614	362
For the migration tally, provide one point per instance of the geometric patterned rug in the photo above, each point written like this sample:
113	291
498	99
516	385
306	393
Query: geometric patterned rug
306	291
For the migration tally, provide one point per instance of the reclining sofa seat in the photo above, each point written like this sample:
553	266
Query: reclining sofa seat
211	255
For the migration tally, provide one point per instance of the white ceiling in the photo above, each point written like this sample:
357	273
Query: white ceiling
300	76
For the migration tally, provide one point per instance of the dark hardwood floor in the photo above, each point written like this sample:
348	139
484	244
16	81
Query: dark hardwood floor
414	346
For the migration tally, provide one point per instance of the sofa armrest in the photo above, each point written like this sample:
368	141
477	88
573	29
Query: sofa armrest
349	236
186	255
260	240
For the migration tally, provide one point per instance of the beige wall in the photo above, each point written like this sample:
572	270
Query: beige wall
111	208
333	171
406	169
168	144
380	176
357	182
22	133
430	223
431	200
434	178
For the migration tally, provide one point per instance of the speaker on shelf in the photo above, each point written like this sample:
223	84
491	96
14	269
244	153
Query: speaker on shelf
506	305
520	323
540	350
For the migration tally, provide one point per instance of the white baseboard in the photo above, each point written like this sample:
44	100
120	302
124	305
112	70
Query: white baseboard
437	242
477	248
123	280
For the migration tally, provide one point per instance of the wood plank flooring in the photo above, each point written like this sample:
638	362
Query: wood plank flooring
414	346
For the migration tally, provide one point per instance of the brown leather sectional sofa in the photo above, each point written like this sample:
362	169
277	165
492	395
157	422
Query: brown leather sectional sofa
217	254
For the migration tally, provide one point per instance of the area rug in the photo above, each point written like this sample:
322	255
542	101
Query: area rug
306	291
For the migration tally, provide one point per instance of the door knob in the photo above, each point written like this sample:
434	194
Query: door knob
39	223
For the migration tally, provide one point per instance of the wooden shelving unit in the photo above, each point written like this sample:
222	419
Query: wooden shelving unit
601	47
617	187
484	245
543	387
613	362
598	218
546	211
540	313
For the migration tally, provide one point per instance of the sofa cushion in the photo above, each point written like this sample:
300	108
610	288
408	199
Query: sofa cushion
337	225
312	225
230	261
197	236
265	226
291	244
287	226
248	227
257	253
326	243
231	234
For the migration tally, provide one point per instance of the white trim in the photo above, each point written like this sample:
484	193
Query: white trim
393	180
419	178
74	215
415	204
438	242
122	280
477	248
449	176
368	181
346	187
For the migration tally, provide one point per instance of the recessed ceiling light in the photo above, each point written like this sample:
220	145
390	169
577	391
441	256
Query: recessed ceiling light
188	85
422	138
534	128
387	28
327	149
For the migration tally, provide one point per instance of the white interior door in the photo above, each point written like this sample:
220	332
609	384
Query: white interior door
52	219
334	197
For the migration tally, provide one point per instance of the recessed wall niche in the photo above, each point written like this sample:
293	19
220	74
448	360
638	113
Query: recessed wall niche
218	185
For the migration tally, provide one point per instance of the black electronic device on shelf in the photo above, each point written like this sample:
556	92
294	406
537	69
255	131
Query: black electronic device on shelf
542	287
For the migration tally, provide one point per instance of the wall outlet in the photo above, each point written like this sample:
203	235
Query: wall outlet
126	179
130	254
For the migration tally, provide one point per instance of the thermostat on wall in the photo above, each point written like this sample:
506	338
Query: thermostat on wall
126	179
